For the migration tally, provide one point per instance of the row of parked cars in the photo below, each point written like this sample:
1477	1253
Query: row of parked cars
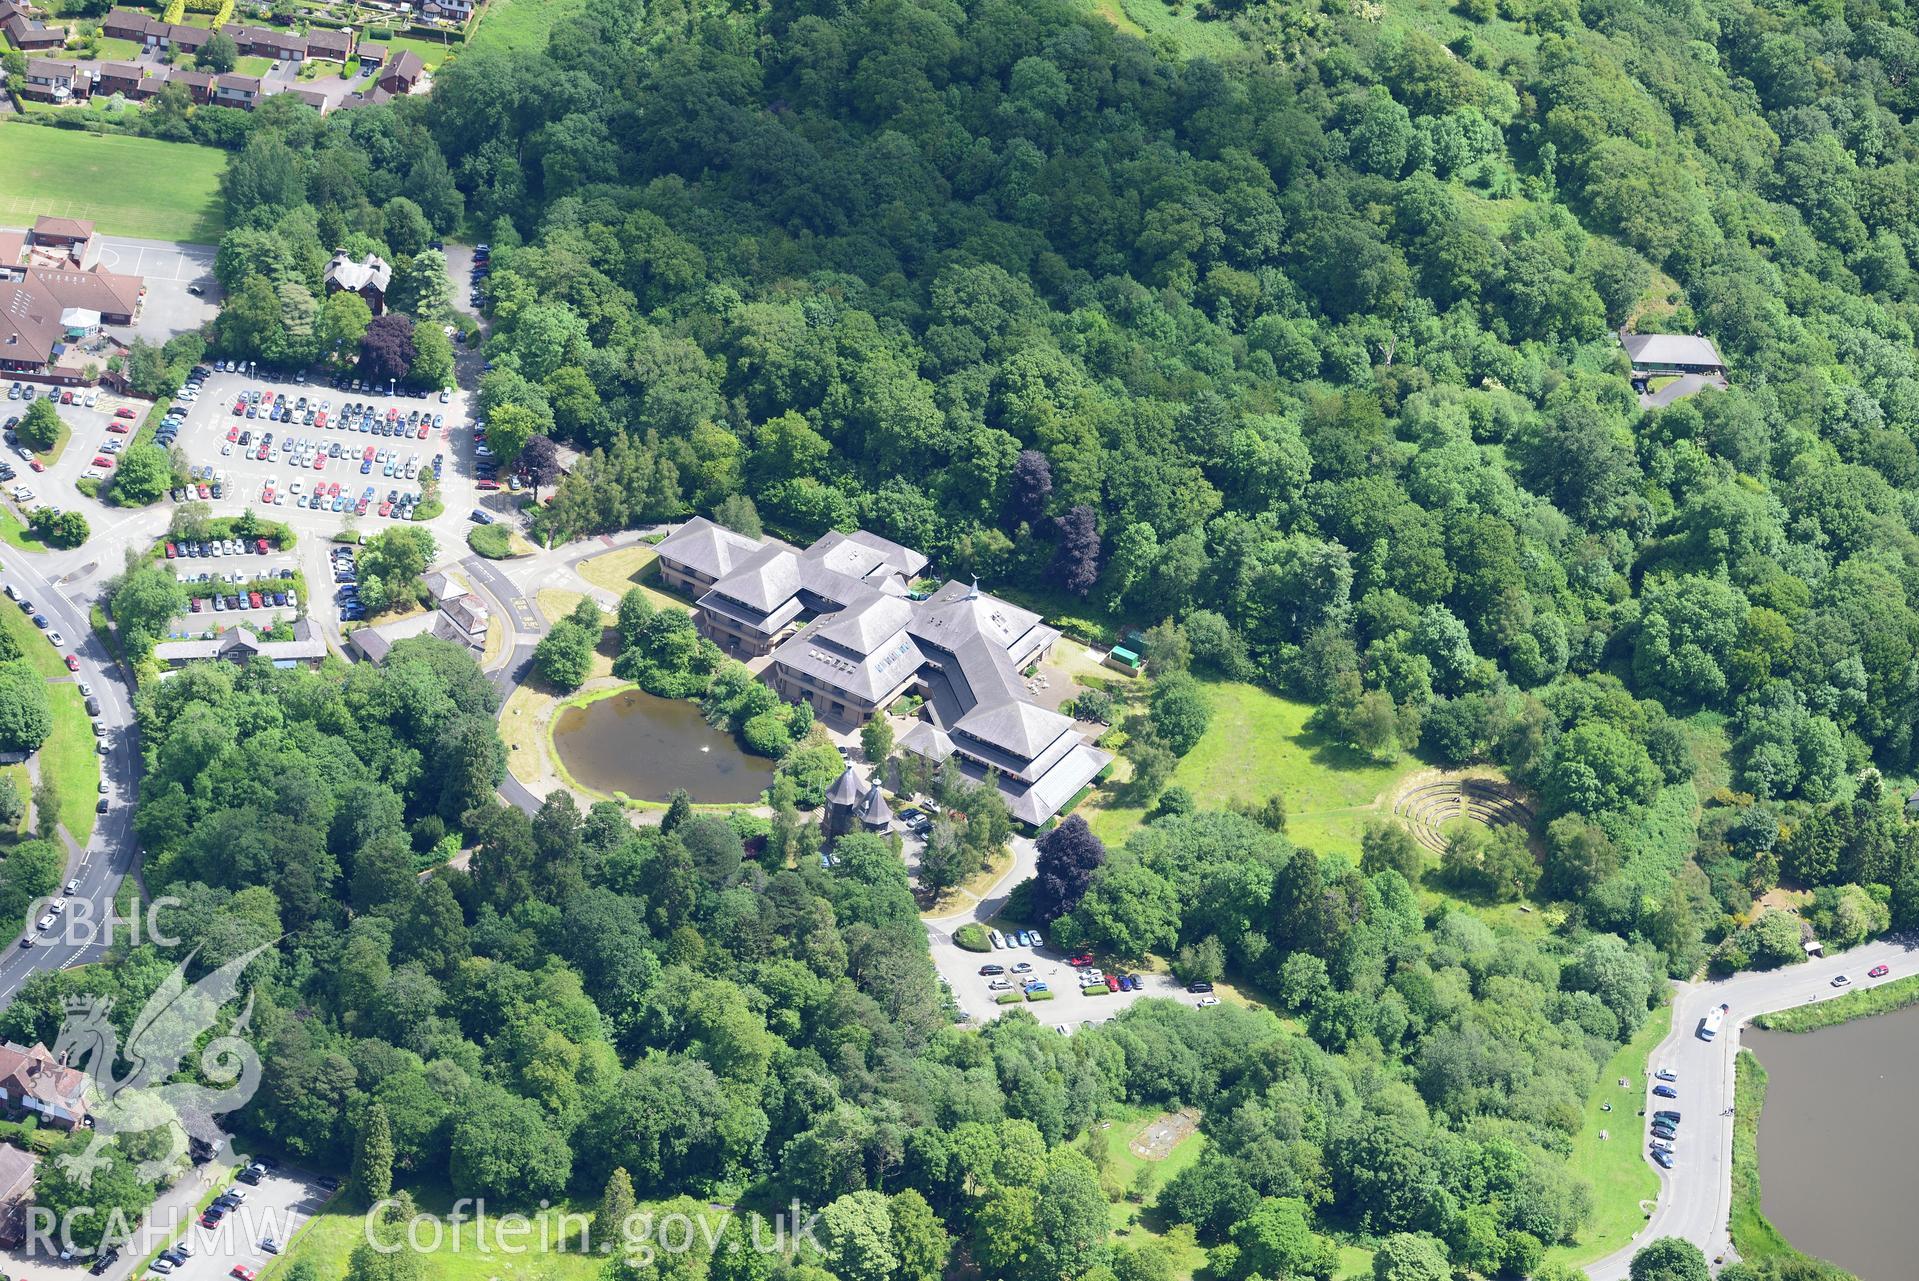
86	397
346	581
341	382
192	550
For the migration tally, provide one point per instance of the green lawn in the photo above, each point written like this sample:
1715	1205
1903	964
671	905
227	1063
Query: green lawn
18	535
432	52
329	1237
1123	1167
1180	33
126	186
68	756
248	65
521	24
1752	1232
1615	1166
112	49
1258	744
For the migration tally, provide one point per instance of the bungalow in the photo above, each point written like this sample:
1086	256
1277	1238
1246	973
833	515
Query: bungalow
402	72
53	81
199	84
306	649
372	55
369	278
232	90
333	46
129	24
264	42
124	78
374	643
30	36
184	39
313	98
1657	354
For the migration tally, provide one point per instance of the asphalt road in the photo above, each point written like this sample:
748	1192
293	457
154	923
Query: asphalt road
79	935
1695	1196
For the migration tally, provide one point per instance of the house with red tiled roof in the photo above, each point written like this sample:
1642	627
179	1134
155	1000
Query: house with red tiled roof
33	1082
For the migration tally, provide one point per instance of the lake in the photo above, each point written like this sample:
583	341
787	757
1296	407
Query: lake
649	747
1839	1141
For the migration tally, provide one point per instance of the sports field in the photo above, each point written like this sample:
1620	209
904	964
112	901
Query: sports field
125	186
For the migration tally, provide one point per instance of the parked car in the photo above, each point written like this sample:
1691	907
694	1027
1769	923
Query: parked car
1664	1092
1878	971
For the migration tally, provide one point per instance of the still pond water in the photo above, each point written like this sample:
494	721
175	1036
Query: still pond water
647	747
1839	1142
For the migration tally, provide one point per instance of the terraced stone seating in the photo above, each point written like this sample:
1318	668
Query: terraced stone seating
1427	808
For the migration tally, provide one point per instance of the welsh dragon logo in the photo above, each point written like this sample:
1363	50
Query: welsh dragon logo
174	1019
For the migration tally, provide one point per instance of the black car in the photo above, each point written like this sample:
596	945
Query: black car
1199	985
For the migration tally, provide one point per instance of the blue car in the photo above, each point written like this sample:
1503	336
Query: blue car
1665	1091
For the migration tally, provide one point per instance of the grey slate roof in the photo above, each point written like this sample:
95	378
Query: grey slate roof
706	548
846	788
764	580
344	273
873	809
1670	349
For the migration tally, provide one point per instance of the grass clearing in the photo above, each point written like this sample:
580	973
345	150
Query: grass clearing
521	24
126	186
520	727
1180	33
1257	744
431	52
461	1254
17	535
1144	1148
1616	1166
556	603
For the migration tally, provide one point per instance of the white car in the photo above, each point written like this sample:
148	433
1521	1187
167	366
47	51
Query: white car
1205	1001
73	887
1840	980
91	399
46	923
56	907
53	639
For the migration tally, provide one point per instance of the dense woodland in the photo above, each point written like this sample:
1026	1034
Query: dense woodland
1305	354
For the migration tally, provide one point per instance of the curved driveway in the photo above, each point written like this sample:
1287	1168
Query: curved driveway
112	851
1695	1196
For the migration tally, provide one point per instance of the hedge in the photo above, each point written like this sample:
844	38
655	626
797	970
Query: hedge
971	936
1008	998
1047	995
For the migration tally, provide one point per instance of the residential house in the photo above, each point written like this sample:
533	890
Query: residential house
184	39
32	1081
131	24
469	613
313	98
447	10
265	42
51	80
199	84
368	277
17	1170
29	35
373	55
240	645
402	72
1655	354
848	634
234	90
329	45
125	78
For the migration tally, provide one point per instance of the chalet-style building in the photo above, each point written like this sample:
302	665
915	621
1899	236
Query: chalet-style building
848	634
52	80
241	646
234	90
1656	354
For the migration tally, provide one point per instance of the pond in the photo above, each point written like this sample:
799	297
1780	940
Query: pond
648	747
1839	1141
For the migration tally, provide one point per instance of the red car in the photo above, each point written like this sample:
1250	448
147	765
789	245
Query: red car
1878	971
37	465
1112	982
367	456
239	408
243	1272
119	429
123	412
486	484
253	599
172	551
66	398
386	509
260	545
1081	961
73	664
102	460
319	462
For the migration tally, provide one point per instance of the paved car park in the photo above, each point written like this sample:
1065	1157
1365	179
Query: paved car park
1022	964
273	1210
352	458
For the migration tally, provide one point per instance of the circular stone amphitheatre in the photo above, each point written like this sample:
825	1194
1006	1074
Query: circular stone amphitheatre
1427	803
